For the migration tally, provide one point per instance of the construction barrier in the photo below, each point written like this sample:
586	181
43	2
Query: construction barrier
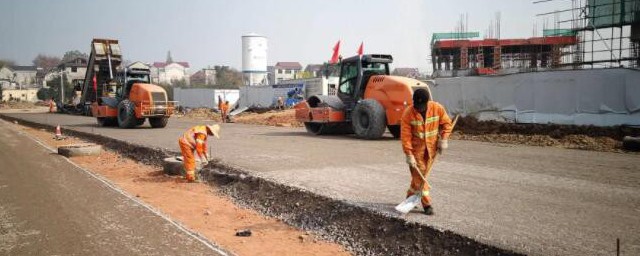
601	97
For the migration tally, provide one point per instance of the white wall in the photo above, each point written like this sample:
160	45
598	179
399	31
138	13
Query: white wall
601	97
203	98
30	95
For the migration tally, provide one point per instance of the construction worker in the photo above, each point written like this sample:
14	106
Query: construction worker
220	102
425	129
195	139
280	103
225	111
52	105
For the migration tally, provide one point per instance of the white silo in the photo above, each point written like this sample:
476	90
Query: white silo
254	59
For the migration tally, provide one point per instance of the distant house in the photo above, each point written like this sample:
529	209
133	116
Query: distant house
139	65
286	71
406	72
205	76
314	69
24	75
169	73
75	69
6	77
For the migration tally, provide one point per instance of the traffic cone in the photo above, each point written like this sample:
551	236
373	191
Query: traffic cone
58	133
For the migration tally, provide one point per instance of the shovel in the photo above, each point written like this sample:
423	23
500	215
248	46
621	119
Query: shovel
411	202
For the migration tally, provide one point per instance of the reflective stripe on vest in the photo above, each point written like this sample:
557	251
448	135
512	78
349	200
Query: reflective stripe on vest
424	192
428	121
423	135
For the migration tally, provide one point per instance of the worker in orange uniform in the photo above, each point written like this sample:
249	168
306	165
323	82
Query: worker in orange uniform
425	130
224	111
195	139
52	105
220	102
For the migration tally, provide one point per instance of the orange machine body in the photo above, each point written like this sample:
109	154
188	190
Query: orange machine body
149	99
394	93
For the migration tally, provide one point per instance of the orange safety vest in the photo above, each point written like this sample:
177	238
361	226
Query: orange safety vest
196	137
225	107
419	135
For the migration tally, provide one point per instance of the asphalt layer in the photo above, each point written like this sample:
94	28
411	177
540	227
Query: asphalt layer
532	200
50	207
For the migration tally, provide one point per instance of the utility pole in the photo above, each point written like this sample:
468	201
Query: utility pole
61	88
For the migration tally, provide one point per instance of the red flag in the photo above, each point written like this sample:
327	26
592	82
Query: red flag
95	83
336	53
360	49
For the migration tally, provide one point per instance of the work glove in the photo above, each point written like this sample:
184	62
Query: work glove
411	161
442	145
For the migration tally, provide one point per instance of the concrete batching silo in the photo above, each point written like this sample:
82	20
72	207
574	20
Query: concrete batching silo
254	59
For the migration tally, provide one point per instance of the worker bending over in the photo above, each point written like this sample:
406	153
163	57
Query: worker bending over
425	129
195	139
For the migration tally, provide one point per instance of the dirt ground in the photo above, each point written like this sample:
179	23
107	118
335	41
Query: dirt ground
550	135
18	105
285	118
199	207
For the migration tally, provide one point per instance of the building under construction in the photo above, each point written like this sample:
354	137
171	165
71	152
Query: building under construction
489	56
587	34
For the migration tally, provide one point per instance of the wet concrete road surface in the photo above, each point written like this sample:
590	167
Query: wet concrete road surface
534	200
50	207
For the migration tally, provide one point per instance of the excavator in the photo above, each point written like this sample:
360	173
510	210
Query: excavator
122	97
368	100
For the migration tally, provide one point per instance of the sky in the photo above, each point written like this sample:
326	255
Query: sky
208	32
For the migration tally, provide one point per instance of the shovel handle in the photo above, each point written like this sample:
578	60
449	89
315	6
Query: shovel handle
424	179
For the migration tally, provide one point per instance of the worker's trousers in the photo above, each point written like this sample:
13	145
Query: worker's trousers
188	160
417	183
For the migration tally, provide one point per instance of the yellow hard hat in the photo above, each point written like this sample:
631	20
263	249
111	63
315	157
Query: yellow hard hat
214	129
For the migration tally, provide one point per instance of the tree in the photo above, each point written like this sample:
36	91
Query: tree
71	55
179	82
5	62
54	88
304	75
47	63
228	78
44	94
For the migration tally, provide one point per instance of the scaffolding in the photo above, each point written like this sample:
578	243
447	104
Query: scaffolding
608	31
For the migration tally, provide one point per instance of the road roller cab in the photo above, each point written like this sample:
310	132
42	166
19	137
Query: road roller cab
368	100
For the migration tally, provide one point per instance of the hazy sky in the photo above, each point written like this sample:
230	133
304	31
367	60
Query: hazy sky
208	32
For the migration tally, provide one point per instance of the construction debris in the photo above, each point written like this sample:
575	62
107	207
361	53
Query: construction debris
244	232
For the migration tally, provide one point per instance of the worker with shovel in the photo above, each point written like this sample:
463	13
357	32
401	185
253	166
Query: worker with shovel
195	139
425	129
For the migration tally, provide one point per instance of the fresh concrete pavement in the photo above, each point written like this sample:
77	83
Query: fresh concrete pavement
49	206
534	200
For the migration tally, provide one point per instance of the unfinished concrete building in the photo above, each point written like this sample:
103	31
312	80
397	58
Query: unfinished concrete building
461	57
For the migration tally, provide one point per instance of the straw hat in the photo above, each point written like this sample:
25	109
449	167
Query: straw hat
214	129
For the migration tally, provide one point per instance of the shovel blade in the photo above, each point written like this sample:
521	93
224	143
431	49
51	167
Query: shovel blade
408	204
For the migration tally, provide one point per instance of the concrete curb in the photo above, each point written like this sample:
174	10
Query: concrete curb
80	150
359	229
